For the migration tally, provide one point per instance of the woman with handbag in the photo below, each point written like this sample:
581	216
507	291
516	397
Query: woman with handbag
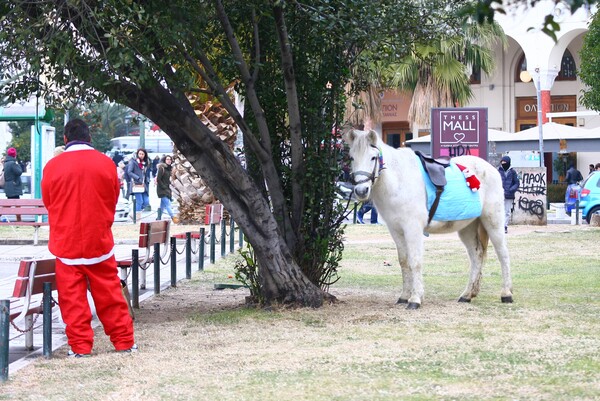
138	170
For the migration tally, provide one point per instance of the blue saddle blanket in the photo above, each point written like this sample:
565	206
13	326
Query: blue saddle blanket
457	202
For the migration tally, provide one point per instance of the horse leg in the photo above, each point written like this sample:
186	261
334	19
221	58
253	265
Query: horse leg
476	244
408	279
498	239
413	283
406	273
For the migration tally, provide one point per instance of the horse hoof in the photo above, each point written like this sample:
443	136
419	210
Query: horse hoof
413	305
463	299
506	300
402	301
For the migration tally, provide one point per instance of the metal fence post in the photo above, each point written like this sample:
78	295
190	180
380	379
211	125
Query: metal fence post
231	235
134	209
201	249
241	235
188	255
4	326
47	320
212	242
157	268
223	237
135	279
173	262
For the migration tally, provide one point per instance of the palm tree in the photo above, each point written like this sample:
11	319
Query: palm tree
438	72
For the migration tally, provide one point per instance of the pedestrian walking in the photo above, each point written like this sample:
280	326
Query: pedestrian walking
365	208
13	187
163	188
510	183
80	189
573	175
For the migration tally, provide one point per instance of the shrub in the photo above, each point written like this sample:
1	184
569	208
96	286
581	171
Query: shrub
556	193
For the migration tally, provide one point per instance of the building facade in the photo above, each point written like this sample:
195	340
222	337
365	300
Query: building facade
532	62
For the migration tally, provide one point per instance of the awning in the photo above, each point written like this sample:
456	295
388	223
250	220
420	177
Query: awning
557	138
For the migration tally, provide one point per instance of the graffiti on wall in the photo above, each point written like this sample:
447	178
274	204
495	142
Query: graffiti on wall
530	199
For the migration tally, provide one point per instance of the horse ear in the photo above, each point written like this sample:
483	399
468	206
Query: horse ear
372	137
349	136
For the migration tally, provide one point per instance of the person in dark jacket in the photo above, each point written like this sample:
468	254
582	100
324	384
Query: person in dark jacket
573	175
572	193
510	184
13	188
163	187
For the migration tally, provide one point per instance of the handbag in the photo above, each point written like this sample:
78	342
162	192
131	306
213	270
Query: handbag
138	188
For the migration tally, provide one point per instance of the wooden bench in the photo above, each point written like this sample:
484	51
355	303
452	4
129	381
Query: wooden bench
27	298
155	232
24	212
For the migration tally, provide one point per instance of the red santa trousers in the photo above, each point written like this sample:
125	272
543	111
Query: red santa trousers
104	284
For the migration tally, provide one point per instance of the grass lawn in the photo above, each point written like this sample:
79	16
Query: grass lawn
200	344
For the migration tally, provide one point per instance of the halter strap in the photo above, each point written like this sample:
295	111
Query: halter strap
370	176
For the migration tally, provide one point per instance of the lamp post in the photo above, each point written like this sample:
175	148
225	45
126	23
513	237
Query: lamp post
525	76
539	115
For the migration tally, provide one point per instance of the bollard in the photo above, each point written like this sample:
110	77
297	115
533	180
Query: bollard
223	238
354	212
134	209
4	326
212	243
173	262
231	235
157	268
188	255
201	249
135	279
47	320
577	212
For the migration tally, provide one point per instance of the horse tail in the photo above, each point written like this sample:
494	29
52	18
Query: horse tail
483	239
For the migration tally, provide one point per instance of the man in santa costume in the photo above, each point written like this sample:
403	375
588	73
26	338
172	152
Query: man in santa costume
80	189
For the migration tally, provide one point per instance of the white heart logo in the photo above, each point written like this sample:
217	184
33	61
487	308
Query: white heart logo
459	136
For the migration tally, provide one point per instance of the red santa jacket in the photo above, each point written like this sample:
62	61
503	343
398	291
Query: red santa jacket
80	189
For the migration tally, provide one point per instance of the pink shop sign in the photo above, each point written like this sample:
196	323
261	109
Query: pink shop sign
459	131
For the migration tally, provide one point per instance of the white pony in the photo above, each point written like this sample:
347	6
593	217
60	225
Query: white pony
393	180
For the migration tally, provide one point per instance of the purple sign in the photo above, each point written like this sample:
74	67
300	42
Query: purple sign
459	131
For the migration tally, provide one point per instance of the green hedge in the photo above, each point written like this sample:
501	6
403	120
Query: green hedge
556	193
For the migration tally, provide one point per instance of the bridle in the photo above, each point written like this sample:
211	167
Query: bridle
369	176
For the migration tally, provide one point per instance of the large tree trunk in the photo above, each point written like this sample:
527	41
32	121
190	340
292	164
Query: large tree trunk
280	276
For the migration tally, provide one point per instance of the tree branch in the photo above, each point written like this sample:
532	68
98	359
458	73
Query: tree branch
270	172
287	64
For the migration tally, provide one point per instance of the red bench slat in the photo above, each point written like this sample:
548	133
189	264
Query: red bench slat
155	232
44	272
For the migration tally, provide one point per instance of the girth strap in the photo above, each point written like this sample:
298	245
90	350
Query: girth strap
438	195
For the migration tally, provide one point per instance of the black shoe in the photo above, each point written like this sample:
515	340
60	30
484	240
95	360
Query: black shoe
505	230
